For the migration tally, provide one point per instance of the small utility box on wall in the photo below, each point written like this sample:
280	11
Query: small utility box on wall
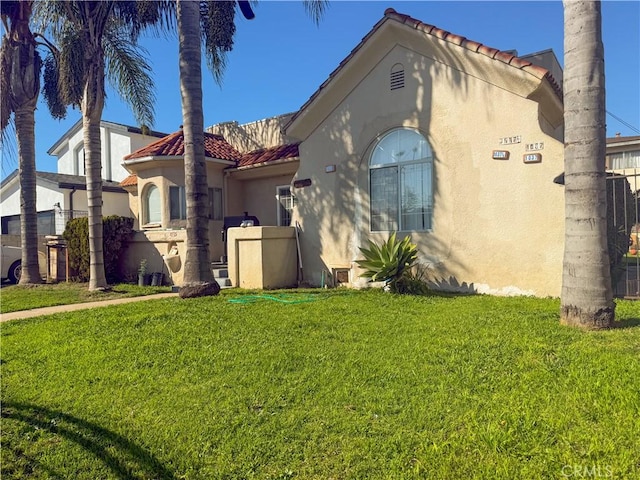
262	257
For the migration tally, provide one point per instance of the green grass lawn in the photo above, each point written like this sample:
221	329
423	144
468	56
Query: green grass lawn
17	297
340	385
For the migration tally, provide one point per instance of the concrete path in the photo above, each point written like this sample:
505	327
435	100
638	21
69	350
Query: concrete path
36	312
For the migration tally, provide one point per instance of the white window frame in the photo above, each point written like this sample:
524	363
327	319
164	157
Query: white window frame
397	166
79	160
280	220
146	211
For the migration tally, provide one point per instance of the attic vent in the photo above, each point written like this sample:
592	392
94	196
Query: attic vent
397	76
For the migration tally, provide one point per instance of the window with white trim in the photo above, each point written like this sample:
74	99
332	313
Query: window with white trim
152	205
285	204
401	182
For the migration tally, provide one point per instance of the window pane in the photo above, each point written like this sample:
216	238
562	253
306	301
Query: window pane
400	177
401	145
177	203
412	146
153	205
384	199
215	203
286	201
416	196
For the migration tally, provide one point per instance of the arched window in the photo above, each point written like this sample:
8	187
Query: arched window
400	182
152	205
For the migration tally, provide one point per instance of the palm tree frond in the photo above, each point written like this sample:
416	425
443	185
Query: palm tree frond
217	24
51	88
71	67
315	9
6	107
129	72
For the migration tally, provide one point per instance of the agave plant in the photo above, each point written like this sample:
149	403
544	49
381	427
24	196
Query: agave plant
389	261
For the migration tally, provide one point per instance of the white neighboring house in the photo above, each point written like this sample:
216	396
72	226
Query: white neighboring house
61	196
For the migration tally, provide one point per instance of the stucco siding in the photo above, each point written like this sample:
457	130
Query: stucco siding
46	197
497	224
261	198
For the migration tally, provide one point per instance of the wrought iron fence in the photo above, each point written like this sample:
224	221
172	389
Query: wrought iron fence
623	213
61	217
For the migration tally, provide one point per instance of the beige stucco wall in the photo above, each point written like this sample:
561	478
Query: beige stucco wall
164	251
246	137
497	225
165	174
254	191
262	257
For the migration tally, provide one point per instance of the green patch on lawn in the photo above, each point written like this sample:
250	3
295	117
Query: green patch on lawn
17	297
346	385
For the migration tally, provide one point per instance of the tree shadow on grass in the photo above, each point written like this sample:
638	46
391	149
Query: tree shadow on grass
123	457
627	323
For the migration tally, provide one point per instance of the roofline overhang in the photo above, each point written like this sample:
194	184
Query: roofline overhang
531	75
264	164
151	158
77	186
103	124
623	143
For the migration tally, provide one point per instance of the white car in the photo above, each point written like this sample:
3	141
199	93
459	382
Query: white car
11	263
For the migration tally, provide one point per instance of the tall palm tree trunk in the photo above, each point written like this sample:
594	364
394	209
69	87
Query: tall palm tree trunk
198	277
25	132
24	88
92	106
587	299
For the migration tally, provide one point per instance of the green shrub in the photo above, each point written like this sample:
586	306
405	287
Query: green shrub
414	281
389	262
76	233
116	231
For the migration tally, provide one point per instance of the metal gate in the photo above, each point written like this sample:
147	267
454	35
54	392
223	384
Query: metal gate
623	219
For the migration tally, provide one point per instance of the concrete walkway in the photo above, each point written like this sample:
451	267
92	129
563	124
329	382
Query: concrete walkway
36	312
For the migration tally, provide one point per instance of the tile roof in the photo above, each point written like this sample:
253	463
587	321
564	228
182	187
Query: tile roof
130	181
391	14
215	146
505	57
266	155
254	158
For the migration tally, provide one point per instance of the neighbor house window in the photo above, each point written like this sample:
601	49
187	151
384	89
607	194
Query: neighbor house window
79	160
400	182
624	160
177	203
285	201
215	204
152	205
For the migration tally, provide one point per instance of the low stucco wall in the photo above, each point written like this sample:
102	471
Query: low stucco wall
164	251
262	257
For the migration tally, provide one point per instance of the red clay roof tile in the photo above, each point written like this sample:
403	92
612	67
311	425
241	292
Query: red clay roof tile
215	146
266	155
130	181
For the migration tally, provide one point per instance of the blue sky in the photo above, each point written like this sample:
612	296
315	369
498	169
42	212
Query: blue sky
281	57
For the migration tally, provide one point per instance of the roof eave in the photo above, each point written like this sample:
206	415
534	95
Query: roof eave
280	161
135	161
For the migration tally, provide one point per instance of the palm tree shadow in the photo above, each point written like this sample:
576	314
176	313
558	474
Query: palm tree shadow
129	461
627	323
